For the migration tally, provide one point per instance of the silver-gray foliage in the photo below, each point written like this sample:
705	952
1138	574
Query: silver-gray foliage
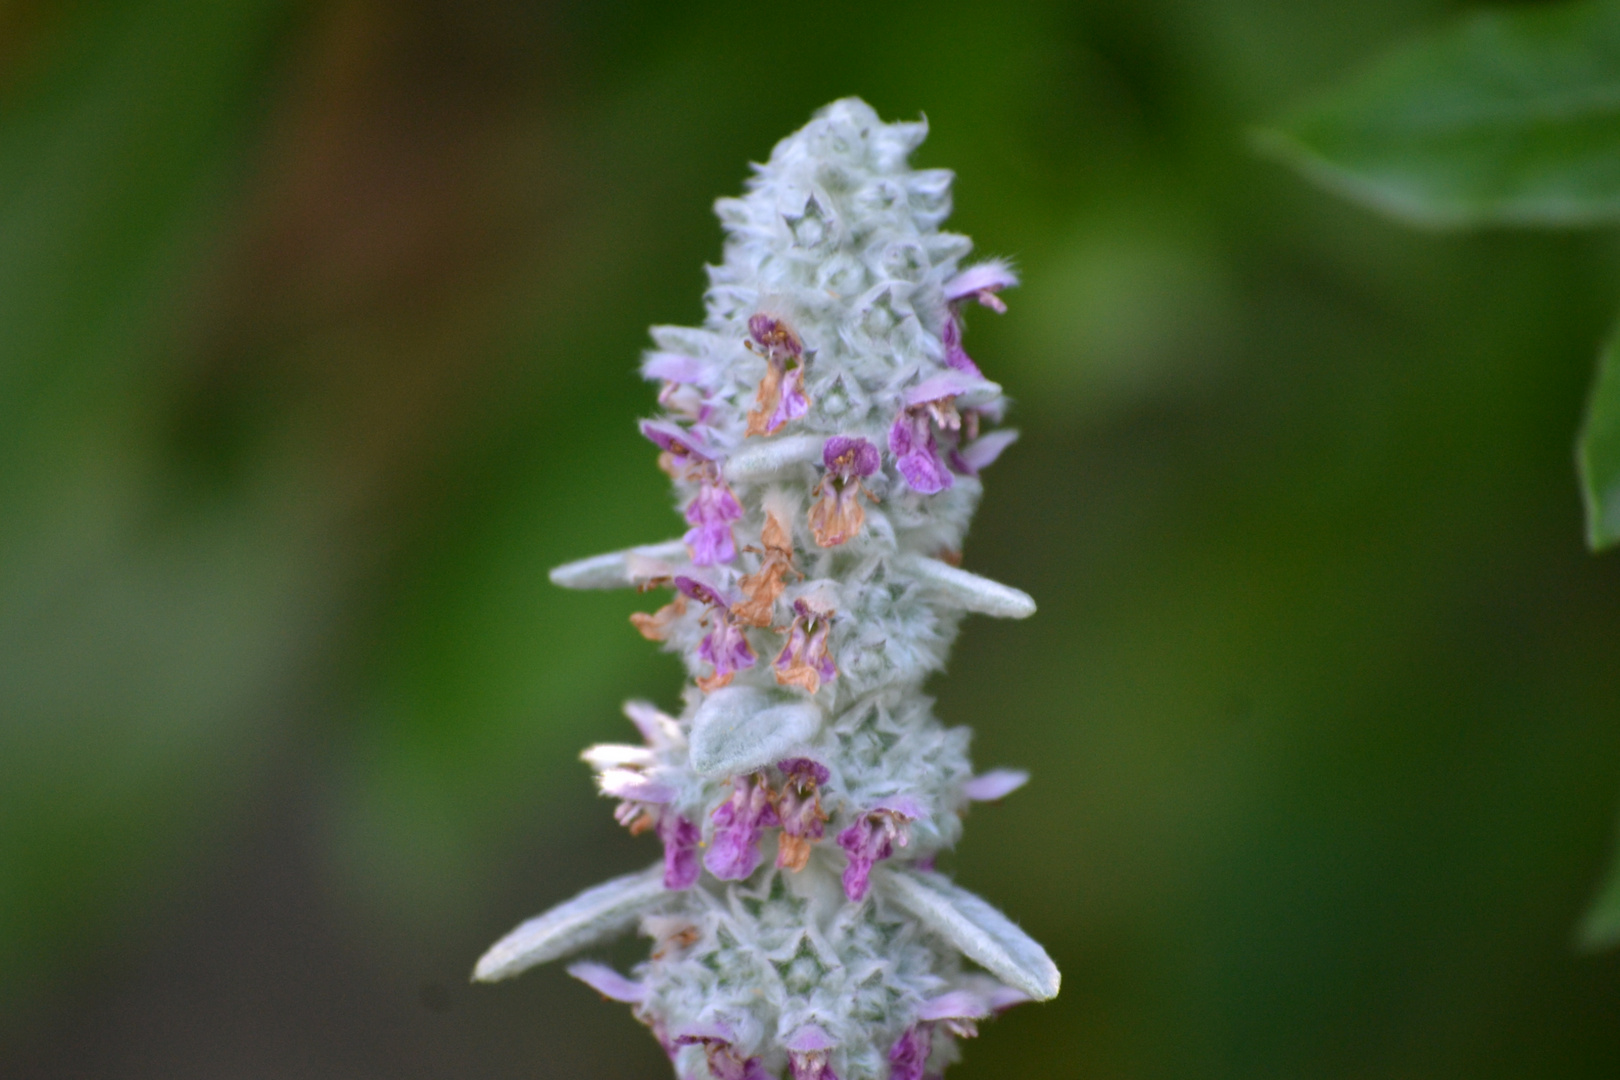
825	430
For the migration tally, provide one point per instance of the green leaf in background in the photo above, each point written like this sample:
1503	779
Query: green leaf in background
1505	118
1598	456
1600	929
141	643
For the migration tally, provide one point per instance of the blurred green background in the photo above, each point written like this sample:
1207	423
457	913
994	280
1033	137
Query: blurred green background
318	329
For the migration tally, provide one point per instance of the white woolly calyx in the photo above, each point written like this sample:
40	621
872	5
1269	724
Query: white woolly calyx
825	431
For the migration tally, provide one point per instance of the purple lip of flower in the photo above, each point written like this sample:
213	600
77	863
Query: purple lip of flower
607	982
909	1055
680	839
804	660
871	839
799	808
911	441
799	770
677	441
982	452
726	647
710	514
701	591
774	336
739	824
850	457
955	355
981	283
807	1054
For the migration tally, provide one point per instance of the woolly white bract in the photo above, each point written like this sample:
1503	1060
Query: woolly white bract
825	430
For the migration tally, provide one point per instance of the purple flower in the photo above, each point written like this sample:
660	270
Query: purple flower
909	1055
781	395
932	404
959	1010
804	661
774	338
849	457
710	514
725	646
911	441
684	448
624	772
724	1061
739	823
838	515
680	839
799	808
808	1050
981	283
872	839
683	379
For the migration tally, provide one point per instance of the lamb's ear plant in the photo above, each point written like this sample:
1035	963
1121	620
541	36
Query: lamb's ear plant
1507	118
825	431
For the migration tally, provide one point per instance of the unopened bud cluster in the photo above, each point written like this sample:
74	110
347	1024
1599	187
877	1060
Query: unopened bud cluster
825	431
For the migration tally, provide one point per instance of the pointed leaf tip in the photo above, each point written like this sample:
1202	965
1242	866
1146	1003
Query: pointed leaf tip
615	569
971	591
594	915
980	932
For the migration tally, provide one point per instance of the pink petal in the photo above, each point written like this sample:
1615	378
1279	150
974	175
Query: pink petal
607	982
995	784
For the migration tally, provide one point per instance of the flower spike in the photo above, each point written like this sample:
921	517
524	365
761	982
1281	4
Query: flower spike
826	433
